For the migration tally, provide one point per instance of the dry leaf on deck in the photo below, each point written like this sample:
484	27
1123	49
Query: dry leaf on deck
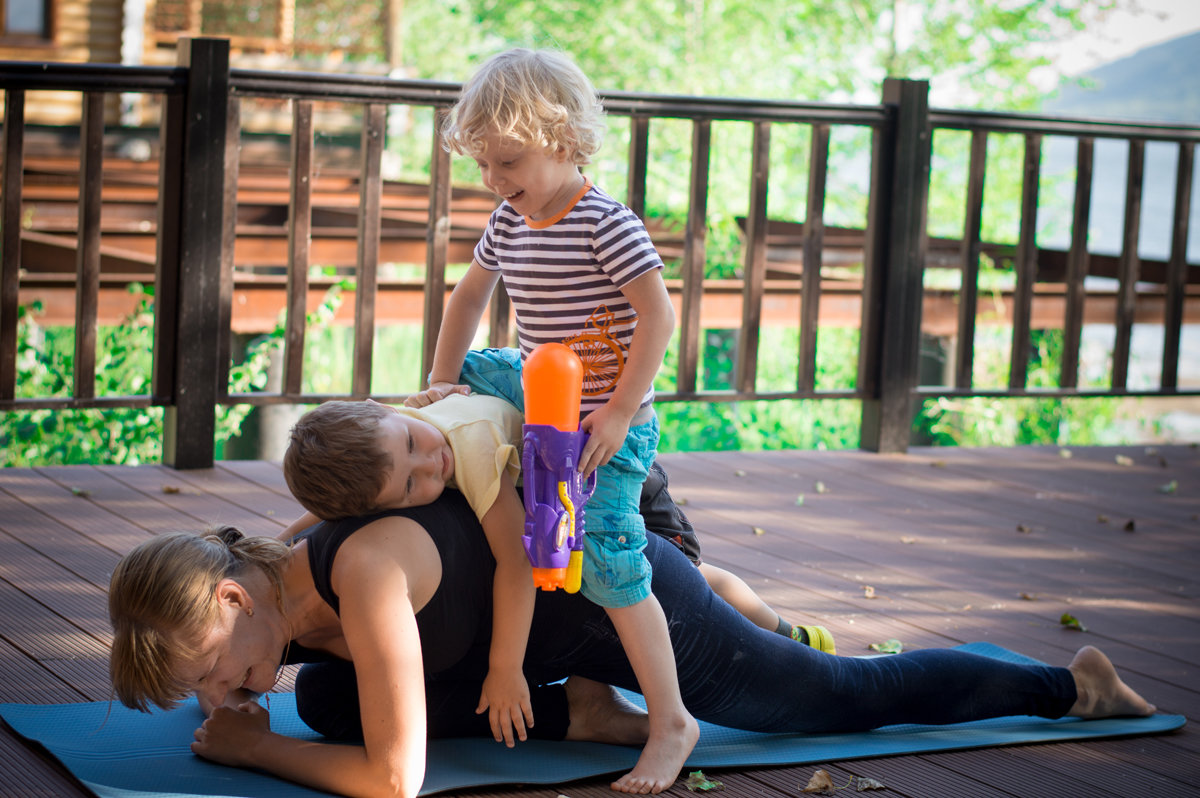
1169	487
81	493
697	781
1124	460
739	473
682	502
1028	596
819	487
907	539
800	500
1102	518
1130	526
862	784
1071	622
758	530
938	464
820	783
868	591
1024	529
170	489
1065	454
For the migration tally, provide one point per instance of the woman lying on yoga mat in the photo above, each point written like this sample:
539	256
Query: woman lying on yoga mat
393	614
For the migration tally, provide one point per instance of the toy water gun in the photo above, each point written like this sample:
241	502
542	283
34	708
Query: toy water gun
555	493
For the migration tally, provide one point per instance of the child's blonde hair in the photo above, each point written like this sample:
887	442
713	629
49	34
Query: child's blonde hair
533	97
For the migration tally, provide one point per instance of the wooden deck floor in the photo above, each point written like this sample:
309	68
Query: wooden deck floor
958	545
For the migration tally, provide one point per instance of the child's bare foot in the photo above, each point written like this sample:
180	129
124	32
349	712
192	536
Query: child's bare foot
599	714
662	758
1100	691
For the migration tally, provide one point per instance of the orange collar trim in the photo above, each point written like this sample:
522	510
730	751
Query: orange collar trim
542	224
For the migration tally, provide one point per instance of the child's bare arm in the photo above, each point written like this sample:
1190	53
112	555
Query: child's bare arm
609	424
299	525
505	693
468	301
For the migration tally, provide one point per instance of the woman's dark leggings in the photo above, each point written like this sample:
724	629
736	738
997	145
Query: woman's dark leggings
731	673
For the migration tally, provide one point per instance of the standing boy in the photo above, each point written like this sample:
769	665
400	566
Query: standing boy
581	270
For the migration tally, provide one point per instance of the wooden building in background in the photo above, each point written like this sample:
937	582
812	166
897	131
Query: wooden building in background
358	36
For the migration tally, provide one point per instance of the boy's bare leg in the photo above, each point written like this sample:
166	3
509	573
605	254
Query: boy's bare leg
1100	691
740	596
642	628
599	714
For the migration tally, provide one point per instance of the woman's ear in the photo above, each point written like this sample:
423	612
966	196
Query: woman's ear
230	593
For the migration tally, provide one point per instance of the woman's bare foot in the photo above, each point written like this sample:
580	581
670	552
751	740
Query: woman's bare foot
662	758
1100	691
599	714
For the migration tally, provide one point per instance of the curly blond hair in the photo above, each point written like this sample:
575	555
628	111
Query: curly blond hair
532	97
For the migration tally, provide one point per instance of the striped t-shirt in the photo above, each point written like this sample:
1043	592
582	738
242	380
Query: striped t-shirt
564	276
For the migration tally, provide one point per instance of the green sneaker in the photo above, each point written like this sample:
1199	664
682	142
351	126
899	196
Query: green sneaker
818	638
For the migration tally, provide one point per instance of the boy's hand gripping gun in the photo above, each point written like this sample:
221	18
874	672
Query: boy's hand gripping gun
555	493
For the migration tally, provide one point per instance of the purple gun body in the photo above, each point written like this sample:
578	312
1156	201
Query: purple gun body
550	457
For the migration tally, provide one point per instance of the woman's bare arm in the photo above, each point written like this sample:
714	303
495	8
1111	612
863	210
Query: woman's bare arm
376	575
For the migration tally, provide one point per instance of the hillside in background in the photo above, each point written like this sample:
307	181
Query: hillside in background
1155	84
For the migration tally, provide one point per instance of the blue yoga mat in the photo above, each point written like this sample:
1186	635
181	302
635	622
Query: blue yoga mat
120	753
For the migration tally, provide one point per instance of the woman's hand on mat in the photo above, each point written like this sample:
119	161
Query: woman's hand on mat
229	735
505	698
233	699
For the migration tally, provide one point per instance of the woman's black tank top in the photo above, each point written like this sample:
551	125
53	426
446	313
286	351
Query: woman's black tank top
458	616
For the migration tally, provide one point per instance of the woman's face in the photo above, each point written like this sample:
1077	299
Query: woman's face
240	651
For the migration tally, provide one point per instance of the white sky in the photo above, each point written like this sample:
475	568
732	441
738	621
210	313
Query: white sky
1123	32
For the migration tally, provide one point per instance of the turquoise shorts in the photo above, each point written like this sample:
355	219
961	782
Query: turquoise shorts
615	571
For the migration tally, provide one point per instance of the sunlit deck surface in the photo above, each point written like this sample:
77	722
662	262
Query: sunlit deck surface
958	545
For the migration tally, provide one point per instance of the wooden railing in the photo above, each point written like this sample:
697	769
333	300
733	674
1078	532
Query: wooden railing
196	230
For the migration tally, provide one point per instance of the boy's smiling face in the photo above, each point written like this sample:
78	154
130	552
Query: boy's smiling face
422	462
536	181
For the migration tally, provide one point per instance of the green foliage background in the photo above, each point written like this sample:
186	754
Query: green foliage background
975	53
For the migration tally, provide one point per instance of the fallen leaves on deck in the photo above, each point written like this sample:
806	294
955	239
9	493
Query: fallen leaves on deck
758	530
1170	487
889	646
698	782
1071	622
821	783
868	591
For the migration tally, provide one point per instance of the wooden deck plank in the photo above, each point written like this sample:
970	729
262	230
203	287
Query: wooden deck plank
956	579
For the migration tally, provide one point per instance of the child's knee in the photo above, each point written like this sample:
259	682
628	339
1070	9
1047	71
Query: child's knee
495	372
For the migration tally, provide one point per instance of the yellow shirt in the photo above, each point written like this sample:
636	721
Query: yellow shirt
485	435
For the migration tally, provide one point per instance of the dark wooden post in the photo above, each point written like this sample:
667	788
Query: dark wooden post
10	237
193	256
894	267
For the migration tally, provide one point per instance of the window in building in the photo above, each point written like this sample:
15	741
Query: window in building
26	19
